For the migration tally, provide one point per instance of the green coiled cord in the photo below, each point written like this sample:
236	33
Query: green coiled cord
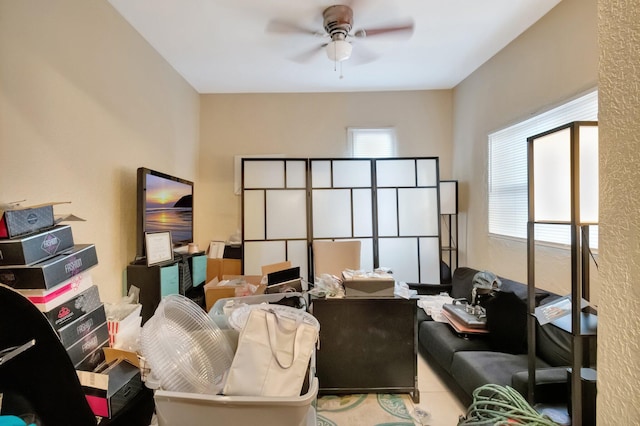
495	405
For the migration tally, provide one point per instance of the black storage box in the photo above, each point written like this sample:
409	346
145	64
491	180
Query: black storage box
37	247
93	360
109	391
74	308
51	272
82	326
98	338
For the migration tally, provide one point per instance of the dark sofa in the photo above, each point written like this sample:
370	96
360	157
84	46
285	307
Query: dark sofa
499	357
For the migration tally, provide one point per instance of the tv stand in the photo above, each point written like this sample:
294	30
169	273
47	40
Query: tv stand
158	281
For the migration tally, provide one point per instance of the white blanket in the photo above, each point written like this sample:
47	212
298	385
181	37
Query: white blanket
432	305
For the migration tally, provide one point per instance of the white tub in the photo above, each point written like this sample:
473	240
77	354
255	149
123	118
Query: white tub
187	409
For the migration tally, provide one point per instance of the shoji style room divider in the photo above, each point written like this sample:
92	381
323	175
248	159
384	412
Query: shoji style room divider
391	205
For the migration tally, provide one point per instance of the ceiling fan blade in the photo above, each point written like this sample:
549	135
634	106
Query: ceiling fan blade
279	26
405	29
308	55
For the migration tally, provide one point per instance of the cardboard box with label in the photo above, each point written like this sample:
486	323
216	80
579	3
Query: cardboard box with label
370	284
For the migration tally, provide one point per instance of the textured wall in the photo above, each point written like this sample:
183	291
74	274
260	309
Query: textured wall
619	328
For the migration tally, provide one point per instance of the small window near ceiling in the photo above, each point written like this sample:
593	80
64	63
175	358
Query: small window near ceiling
372	143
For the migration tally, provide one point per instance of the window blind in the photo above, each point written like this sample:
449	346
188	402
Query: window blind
372	143
507	172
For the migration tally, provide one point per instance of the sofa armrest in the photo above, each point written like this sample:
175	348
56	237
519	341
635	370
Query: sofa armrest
551	384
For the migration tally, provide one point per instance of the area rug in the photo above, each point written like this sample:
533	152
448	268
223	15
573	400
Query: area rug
364	410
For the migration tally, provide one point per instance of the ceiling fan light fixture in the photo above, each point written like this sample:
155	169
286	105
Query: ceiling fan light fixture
339	50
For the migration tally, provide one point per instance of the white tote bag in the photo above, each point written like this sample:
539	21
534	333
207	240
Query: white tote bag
273	355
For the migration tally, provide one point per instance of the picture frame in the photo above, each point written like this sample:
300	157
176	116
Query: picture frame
159	248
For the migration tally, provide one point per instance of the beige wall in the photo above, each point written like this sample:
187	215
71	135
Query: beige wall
618	328
305	125
84	102
556	59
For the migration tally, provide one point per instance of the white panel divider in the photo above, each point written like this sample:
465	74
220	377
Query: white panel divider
263	174
286	214
254	226
427	173
429	264
393	173
390	205
387	212
418	211
331	213
362	213
260	253
352	174
321	174
401	255
296	174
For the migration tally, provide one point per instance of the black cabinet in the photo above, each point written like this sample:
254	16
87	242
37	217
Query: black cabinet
367	346
184	276
154	283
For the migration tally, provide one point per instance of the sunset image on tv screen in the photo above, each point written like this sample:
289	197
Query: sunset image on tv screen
169	207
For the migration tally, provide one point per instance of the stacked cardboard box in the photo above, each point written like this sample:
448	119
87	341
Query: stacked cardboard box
50	270
41	260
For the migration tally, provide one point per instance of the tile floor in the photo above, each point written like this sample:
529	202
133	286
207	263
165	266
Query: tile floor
443	406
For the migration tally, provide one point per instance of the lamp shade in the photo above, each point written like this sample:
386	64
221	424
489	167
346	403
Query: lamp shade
570	150
448	197
339	50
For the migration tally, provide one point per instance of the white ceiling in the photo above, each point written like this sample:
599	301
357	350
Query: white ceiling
222	46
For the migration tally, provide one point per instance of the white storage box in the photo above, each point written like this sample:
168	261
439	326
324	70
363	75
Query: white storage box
180	408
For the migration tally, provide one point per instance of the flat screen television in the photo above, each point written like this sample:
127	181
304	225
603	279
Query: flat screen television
164	203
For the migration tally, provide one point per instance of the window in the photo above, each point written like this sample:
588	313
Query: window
507	177
372	143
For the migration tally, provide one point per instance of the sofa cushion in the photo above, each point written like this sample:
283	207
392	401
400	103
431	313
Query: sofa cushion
553	345
462	282
521	290
422	316
462	285
474	369
551	384
441	342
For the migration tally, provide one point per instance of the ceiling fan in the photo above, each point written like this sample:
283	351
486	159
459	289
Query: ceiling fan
338	26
